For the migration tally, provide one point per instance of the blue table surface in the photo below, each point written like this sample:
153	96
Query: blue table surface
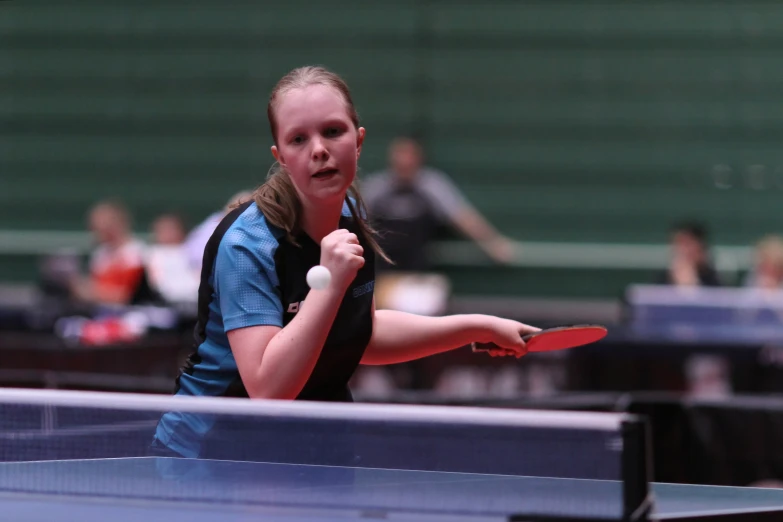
152	489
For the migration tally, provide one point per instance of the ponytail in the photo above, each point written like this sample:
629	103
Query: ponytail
278	201
359	214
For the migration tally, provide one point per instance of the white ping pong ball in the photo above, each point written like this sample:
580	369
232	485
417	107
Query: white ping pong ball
319	277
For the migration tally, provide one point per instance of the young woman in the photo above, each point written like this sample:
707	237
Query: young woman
262	333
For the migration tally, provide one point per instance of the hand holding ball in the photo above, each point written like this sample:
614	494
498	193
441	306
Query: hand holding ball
319	277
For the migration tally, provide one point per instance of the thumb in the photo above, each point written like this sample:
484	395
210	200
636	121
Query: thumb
526	329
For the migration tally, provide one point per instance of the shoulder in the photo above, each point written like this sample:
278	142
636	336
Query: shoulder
439	183
134	249
346	212
374	178
432	176
247	235
135	252
375	184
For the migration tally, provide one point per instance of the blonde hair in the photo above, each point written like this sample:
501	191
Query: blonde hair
277	198
237	199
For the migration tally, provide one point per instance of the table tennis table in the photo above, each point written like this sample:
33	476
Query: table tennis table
725	317
164	489
87	456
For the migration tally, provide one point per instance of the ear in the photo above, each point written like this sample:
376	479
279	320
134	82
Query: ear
277	156
359	141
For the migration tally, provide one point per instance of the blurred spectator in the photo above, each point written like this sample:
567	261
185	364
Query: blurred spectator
409	201
708	376
116	266
168	229
768	269
196	241
168	267
690	263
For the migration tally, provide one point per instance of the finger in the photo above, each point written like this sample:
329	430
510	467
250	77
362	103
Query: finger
354	258
515	348
333	237
339	233
356	250
352	261
501	353
352	239
359	261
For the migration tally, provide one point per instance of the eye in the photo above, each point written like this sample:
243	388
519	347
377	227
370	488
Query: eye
297	140
332	132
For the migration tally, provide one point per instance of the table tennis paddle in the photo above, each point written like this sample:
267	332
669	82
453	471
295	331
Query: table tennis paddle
551	339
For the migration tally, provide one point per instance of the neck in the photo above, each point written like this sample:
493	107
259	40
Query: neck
117	242
321	221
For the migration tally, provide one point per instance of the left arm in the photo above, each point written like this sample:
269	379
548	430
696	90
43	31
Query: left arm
473	225
453	205
400	337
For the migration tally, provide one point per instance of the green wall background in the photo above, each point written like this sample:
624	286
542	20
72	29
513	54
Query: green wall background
563	121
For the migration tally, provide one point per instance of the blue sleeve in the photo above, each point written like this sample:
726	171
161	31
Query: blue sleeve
246	282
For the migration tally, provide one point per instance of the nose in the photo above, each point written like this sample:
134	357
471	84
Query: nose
320	152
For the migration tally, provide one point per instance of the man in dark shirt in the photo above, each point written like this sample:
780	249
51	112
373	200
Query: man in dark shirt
690	264
409	201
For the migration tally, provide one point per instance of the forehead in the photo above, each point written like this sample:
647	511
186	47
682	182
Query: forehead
310	105
167	222
684	235
405	147
105	212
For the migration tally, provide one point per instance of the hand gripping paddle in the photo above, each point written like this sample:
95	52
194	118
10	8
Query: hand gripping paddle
551	339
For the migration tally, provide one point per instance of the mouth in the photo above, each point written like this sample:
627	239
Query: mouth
325	173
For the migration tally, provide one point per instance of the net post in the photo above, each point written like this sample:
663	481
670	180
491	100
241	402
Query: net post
637	469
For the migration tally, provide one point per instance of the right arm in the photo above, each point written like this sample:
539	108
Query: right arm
275	362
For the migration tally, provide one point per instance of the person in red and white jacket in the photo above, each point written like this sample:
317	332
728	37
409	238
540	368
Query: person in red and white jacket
116	266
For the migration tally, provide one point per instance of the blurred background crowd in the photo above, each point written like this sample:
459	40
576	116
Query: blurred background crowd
554	162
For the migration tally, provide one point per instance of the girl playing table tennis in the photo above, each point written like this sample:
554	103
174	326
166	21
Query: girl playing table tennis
262	332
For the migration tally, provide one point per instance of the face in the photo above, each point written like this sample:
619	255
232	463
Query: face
168	231
769	266
317	142
687	247
107	225
405	160
764	266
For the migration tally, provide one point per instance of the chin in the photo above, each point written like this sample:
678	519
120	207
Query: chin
331	195
336	189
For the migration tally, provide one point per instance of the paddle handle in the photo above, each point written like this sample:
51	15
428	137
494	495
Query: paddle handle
485	347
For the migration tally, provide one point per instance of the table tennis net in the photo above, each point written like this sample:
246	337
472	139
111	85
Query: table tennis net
60	441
